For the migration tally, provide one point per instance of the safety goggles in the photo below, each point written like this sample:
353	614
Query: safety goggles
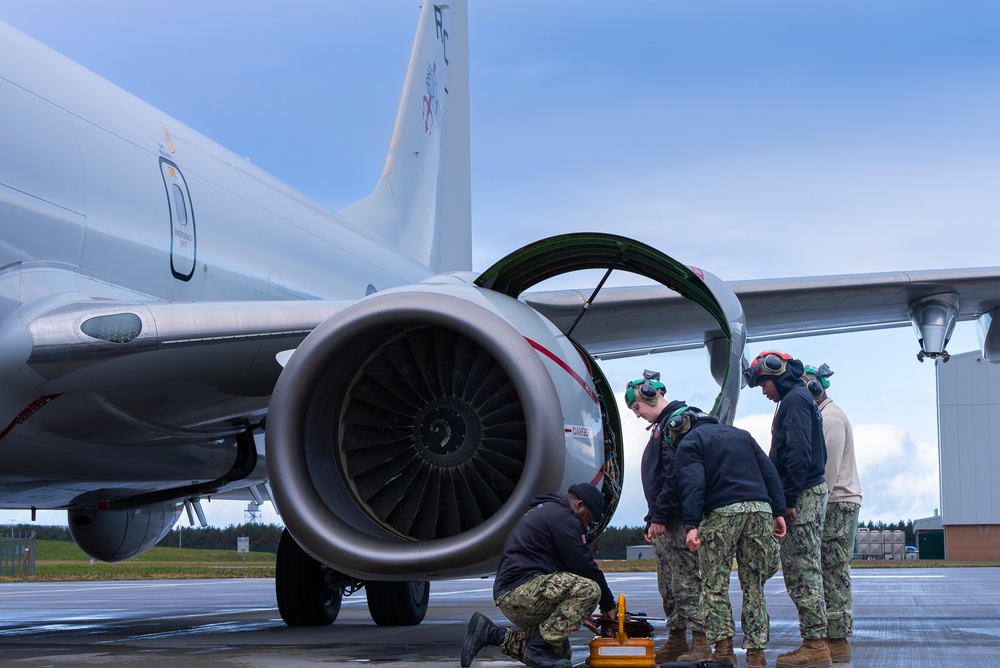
768	363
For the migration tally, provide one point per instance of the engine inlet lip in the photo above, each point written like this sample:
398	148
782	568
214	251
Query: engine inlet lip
365	551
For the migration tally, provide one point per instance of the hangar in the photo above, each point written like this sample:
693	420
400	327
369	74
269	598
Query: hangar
968	389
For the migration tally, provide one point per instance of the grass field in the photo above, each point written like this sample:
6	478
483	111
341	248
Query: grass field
58	560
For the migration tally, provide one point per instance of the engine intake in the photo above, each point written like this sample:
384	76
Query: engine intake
432	434
408	432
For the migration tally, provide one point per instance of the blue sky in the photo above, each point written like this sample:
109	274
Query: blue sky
756	140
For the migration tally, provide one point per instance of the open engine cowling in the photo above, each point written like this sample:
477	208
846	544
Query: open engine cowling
408	432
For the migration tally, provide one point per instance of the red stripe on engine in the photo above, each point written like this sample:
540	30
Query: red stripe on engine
565	367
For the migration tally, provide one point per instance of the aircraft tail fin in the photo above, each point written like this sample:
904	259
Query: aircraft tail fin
422	203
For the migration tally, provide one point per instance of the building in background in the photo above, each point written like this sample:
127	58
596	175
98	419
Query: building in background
968	390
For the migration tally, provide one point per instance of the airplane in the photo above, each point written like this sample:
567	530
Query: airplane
177	325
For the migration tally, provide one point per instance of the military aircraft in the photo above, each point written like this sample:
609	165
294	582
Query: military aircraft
176	325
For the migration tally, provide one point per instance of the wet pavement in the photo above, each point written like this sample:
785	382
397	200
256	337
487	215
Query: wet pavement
912	617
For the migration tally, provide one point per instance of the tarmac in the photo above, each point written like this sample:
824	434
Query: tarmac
904	617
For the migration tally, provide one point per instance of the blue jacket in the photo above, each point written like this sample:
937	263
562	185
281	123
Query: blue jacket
659	476
720	465
548	539
798	449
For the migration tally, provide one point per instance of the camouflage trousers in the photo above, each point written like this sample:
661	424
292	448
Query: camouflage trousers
744	530
678	579
800	561
839	528
554	605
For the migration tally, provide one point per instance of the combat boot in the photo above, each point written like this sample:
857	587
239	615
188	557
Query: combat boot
540	654
812	654
840	651
756	659
700	649
482	632
723	652
676	645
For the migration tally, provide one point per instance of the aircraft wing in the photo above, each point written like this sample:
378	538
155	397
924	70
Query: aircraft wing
157	372
626	321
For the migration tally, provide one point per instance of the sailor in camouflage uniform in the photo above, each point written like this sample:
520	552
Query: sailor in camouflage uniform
677	576
547	582
798	451
840	523
733	504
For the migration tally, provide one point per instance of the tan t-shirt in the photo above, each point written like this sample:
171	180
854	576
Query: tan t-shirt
841	468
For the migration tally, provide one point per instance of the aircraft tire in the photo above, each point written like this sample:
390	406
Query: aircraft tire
306	595
398	603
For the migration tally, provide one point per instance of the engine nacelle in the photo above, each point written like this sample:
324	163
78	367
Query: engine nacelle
408	433
117	535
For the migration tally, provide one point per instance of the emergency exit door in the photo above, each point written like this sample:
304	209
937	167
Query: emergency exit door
183	240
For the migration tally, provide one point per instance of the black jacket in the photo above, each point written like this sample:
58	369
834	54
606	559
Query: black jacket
659	476
548	539
798	449
720	465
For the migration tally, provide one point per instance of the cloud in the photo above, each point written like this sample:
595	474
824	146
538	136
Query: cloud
899	476
759	426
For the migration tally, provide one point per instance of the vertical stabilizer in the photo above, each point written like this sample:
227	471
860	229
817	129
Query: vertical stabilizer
422	203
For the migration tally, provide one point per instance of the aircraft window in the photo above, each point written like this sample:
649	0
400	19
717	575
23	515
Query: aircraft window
182	217
118	328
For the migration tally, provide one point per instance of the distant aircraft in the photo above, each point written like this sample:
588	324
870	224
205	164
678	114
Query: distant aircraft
150	282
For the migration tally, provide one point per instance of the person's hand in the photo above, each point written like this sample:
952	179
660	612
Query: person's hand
779	527
693	542
790	515
592	625
654	531
611	615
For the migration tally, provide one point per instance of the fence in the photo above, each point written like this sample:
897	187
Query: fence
17	555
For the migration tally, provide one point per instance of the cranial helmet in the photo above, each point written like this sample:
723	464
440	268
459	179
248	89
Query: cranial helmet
644	389
817	380
768	363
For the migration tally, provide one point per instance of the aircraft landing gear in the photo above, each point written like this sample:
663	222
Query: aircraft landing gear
308	592
398	603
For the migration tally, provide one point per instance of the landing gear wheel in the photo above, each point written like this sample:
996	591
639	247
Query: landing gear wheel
308	592
398	603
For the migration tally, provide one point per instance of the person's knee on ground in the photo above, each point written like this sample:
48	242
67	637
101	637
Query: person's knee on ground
540	653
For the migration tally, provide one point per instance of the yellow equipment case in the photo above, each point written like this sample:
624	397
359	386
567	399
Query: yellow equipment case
621	651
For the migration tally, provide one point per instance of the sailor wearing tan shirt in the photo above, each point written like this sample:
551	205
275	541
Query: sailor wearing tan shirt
841	521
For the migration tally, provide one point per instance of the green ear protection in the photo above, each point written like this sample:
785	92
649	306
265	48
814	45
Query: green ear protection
645	388
677	423
820	380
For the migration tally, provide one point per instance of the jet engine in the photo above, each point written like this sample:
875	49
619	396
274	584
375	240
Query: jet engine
116	535
408	433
